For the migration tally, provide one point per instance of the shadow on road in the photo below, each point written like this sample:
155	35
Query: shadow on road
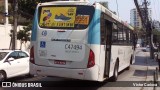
140	73
142	61
19	78
143	73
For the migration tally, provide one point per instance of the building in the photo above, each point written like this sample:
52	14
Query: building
5	28
156	25
135	19
5	39
2	12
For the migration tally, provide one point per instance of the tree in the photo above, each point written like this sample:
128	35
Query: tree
140	32
105	4
24	35
156	36
26	8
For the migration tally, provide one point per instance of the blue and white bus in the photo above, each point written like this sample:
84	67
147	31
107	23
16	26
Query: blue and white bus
78	40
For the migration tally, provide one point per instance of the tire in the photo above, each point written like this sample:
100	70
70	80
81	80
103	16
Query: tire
29	75
2	76
128	67
115	74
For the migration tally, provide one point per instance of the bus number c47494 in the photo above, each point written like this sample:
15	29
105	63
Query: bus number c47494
73	47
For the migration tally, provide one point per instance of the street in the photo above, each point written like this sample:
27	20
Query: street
141	70
62	44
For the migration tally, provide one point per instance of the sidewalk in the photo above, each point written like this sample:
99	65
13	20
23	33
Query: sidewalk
152	64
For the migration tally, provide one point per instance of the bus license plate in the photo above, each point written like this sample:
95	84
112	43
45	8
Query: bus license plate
59	62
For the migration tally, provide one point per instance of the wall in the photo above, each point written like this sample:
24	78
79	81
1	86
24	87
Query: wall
5	38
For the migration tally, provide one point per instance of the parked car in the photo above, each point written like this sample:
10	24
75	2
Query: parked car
13	63
138	45
146	49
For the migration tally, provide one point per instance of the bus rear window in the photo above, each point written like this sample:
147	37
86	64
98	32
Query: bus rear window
65	17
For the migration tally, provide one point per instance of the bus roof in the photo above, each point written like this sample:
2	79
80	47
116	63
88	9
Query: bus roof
64	2
112	15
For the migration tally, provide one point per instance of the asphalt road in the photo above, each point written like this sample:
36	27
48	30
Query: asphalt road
137	72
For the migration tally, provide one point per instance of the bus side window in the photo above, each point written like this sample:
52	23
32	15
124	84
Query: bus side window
131	37
103	32
120	35
114	34
127	36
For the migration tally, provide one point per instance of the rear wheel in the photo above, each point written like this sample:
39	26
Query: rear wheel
115	74
128	67
30	75
2	76
131	60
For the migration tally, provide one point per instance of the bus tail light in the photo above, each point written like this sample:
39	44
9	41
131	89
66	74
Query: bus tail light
32	55
91	59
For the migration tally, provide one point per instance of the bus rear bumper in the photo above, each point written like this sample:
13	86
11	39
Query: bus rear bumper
83	74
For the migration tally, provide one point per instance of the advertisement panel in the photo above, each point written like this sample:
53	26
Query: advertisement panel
58	16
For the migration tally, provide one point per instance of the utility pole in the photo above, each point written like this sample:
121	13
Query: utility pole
14	45
6	12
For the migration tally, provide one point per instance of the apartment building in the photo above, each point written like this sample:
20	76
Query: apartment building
135	19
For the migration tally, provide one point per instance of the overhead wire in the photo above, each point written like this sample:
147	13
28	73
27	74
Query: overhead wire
117	8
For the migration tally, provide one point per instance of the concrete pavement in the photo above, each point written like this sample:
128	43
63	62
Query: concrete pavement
151	65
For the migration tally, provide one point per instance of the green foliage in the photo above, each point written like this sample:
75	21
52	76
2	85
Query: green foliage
24	35
141	33
105	4
156	32
1	9
26	8
11	33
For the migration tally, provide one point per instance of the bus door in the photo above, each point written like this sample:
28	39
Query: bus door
106	33
108	29
106	41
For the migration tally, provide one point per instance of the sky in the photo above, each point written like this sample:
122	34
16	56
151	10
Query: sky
124	7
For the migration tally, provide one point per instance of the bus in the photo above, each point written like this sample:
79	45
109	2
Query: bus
79	40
